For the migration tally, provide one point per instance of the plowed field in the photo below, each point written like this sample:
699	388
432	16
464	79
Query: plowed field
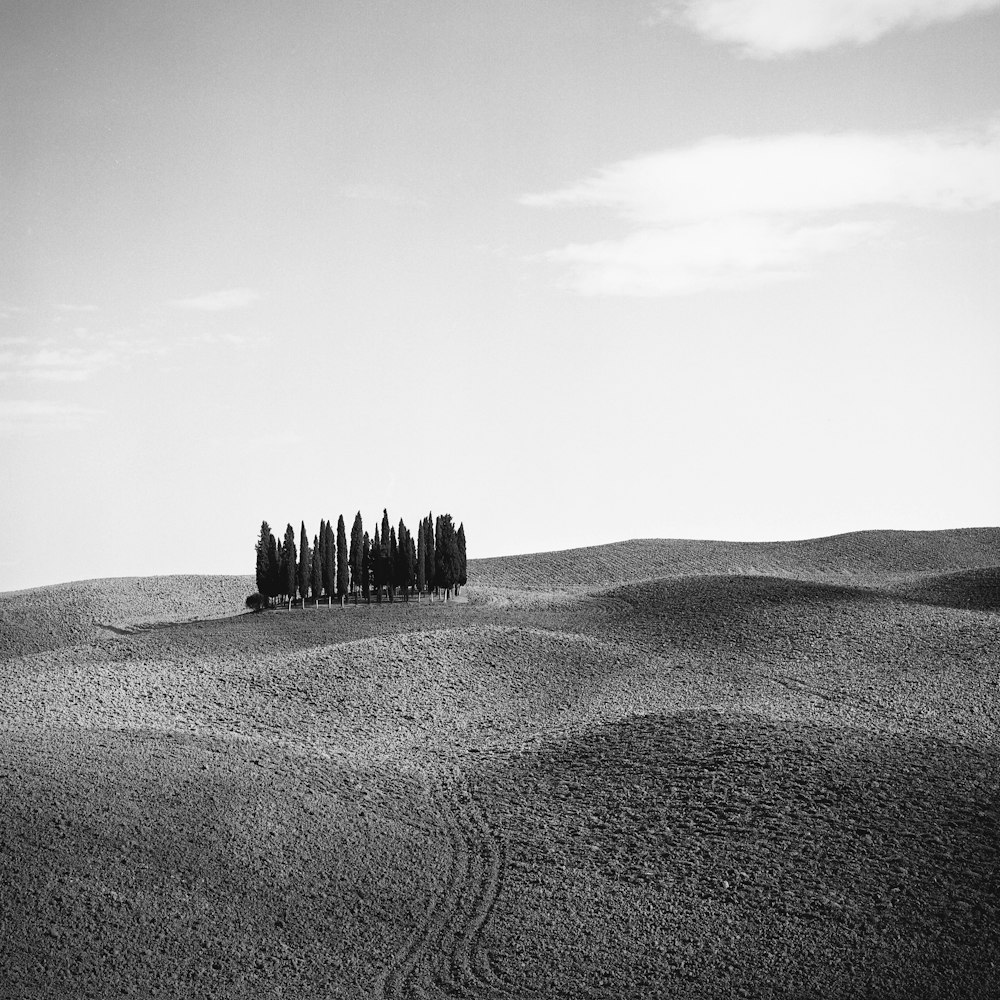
651	769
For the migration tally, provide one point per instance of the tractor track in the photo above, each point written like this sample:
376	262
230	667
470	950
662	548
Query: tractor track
444	956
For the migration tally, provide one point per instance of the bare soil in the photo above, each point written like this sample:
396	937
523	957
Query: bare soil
651	769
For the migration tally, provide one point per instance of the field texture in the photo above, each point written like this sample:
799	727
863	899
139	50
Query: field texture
649	769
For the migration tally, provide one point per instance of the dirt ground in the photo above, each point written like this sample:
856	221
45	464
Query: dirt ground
656	769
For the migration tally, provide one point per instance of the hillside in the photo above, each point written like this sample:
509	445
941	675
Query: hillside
656	768
861	556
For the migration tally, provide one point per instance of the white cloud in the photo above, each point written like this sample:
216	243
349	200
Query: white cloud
806	172
379	192
719	254
50	361
735	212
765	28
70	307
18	415
222	301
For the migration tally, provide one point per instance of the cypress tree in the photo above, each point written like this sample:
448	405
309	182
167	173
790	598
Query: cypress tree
376	566
356	540
330	566
385	571
437	554
446	557
282	573
402	557
305	565
460	541
429	549
421	561
343	562
366	569
262	547
411	562
290	565
317	570
273	568
393	562
324	583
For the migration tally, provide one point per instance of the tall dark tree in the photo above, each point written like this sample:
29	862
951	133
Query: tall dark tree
429	550
290	564
384	555
460	541
421	560
392	560
324	582
304	575
273	569
343	562
366	579
446	558
357	532
282	572
263	568
402	548
330	565
437	553
376	566
411	563
317	570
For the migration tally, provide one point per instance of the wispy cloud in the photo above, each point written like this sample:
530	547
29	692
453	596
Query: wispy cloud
18	415
733	212
720	254
768	28
221	301
806	172
71	307
66	364
379	192
9	310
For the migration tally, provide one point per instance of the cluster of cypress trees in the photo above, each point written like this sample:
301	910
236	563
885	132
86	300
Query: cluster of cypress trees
391	563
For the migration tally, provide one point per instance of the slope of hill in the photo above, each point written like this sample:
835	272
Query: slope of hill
695	773
51	617
861	556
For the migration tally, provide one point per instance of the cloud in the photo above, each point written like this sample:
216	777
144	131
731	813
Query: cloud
9	310
48	360
18	415
69	307
805	172
729	254
767	28
731	212
222	301
379	192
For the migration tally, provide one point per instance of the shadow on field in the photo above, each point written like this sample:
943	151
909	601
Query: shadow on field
720	855
974	589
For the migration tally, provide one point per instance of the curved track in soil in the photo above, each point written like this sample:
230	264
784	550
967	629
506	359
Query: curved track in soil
444	956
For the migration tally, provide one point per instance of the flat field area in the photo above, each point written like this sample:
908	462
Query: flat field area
652	769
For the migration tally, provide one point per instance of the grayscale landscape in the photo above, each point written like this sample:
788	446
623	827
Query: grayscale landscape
647	769
688	312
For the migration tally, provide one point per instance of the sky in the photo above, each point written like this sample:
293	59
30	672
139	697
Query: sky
572	271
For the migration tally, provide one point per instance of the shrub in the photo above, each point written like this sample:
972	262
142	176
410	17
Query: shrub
255	602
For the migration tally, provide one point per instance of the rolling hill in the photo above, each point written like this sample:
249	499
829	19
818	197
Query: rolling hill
653	768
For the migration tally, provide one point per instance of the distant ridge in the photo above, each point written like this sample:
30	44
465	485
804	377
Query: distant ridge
928	566
876	556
